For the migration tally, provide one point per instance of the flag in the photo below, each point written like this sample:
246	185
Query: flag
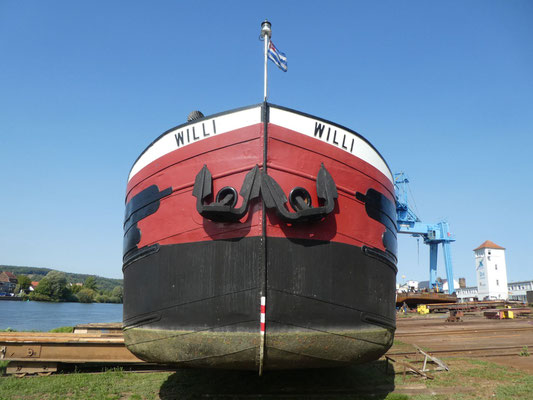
277	57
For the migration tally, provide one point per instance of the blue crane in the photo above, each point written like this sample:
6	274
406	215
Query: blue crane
433	234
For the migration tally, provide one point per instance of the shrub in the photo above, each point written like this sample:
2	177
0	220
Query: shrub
36	296
86	295
102	298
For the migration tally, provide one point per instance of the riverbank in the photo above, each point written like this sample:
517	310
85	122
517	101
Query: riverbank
10	298
26	298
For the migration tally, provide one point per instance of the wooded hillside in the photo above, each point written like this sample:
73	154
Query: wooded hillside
36	274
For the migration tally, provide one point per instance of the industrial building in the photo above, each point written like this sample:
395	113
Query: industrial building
491	271
491	274
516	291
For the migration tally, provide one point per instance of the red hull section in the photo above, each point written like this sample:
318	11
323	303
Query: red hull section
229	157
293	160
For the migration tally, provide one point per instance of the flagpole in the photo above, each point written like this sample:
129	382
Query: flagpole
266	33
266	69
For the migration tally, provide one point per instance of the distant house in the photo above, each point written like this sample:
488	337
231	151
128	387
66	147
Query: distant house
8	281
33	285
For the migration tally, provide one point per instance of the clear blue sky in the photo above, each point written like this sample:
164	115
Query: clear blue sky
443	89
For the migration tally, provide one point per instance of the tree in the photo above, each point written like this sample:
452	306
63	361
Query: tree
86	295
102	298
24	282
53	287
90	283
43	292
75	288
118	292
58	283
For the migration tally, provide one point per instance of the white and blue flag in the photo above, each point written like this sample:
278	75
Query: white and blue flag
277	57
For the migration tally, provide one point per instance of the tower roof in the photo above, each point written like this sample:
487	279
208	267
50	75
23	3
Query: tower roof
487	244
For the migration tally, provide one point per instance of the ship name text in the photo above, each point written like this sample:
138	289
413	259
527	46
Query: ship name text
194	133
330	135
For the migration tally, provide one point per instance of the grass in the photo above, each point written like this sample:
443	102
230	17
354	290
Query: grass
3	366
467	380
107	385
486	379
63	329
189	384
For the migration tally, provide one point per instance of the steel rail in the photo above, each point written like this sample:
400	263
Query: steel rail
40	353
461	332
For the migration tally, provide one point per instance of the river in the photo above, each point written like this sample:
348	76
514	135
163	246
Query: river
41	316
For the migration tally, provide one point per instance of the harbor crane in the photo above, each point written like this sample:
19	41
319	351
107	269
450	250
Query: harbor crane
433	234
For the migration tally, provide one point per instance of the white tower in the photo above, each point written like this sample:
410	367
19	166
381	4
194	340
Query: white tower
491	271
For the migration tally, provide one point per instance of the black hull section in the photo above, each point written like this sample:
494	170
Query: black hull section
198	304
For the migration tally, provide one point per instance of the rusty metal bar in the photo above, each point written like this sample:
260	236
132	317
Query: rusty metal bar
65	347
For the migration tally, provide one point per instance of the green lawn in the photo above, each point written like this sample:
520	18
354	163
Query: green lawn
467	379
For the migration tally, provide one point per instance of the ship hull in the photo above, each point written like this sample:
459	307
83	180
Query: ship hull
207	312
194	280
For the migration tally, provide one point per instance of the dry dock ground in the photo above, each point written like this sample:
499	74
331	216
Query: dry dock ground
499	341
487	359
